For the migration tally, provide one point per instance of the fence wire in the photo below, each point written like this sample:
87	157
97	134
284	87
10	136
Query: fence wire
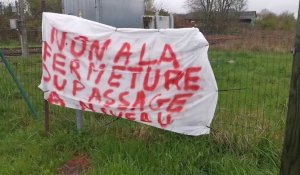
252	73
252	68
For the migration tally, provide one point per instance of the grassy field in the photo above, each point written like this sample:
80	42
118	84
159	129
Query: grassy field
246	137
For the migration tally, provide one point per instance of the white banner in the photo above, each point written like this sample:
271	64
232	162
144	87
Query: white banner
161	78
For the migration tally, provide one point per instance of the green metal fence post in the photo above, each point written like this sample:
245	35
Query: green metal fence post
19	86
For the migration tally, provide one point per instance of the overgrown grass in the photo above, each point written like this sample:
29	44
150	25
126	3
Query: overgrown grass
11	44
246	136
255	41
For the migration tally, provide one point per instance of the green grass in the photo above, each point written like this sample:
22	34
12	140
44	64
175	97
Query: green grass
17	44
246	138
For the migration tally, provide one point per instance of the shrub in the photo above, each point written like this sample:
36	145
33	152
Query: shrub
270	21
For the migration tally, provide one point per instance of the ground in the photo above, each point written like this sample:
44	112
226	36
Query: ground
246	133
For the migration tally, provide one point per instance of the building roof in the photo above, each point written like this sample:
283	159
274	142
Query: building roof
248	15
242	15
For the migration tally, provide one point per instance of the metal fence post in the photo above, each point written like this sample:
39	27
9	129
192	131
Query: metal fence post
47	119
79	120
19	85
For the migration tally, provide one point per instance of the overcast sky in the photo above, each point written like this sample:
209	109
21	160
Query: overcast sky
277	6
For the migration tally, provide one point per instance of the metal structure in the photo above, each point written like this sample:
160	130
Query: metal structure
158	22
117	13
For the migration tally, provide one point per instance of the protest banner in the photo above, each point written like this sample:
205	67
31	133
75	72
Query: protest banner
161	78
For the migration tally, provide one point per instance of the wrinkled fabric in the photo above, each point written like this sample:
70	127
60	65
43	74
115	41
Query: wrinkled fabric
161	78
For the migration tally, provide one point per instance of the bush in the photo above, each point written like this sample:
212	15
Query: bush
270	21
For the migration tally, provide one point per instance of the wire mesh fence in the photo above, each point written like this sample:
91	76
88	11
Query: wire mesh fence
252	68
11	38
253	89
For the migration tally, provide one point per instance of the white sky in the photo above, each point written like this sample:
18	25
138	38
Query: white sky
277	6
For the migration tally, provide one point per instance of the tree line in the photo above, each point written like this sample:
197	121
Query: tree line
268	20
221	16
33	11
215	15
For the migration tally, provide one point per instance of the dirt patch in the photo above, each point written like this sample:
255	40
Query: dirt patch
79	164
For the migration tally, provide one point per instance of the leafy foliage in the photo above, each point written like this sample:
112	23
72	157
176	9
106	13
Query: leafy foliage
270	21
35	11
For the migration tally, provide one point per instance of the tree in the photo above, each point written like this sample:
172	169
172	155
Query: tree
34	12
153	6
216	14
216	5
51	6
270	21
287	21
205	6
149	6
225	6
205	11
